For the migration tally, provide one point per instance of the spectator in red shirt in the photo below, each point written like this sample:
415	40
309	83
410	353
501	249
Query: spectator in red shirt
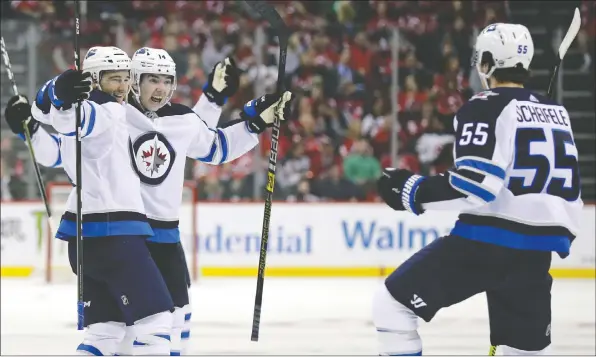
324	158
411	98
452	70
450	99
360	54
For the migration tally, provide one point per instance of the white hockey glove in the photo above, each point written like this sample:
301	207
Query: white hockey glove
223	82
261	113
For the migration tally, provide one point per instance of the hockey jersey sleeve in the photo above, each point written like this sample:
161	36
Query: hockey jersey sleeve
209	112
46	147
221	145
482	152
40	109
98	115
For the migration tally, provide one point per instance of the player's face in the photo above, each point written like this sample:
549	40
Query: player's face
155	90
116	83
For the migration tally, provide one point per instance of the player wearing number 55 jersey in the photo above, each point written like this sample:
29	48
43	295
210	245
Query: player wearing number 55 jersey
516	183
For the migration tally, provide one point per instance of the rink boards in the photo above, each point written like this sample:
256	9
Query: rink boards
305	240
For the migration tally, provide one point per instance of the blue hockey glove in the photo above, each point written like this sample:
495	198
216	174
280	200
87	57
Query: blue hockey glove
69	87
261	113
397	187
223	82
17	112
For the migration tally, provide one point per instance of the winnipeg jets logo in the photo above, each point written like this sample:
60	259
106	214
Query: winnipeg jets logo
152	157
91	53
484	95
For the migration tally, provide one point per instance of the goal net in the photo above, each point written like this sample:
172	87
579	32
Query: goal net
56	268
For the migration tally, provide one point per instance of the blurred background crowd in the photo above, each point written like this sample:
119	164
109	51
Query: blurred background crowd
339	66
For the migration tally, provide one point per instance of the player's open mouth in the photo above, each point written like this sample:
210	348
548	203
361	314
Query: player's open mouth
118	96
155	99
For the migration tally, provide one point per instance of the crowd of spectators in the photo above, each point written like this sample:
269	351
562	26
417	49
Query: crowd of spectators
338	65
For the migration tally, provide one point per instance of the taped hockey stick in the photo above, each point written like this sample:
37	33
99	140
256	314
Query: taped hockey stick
567	41
79	180
269	13
40	184
574	27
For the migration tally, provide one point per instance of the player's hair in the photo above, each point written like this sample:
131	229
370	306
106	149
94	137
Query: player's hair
517	74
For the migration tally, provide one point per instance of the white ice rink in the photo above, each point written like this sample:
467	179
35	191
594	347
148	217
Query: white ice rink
300	316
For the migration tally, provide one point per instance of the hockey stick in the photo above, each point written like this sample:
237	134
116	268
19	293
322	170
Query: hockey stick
79	180
40	184
567	41
269	13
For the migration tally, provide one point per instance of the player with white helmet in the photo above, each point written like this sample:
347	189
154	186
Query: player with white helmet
122	284
503	49
516	183
109	68
169	130
175	132
153	64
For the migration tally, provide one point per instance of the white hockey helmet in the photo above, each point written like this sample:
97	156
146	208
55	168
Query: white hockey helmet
108	58
155	61
509	45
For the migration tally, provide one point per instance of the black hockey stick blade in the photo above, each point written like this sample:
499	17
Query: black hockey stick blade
565	44
269	14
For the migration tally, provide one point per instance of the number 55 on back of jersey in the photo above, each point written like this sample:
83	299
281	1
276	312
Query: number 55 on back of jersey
530	139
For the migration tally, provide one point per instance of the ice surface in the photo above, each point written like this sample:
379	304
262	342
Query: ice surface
300	316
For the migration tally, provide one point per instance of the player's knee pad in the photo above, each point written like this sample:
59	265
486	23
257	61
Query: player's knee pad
102	339
396	326
125	348
185	334
153	335
510	351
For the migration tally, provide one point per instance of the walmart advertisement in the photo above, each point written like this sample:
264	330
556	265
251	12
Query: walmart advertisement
305	240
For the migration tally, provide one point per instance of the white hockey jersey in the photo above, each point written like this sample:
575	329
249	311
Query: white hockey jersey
516	176
111	192
158	149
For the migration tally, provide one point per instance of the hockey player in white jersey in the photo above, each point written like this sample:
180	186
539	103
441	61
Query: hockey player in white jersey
99	62
222	83
516	183
122	284
163	134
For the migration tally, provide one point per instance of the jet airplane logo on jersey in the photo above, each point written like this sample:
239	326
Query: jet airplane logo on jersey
152	157
484	95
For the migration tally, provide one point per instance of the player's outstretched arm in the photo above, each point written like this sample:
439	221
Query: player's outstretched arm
98	114
40	109
482	151
223	83
45	145
237	137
